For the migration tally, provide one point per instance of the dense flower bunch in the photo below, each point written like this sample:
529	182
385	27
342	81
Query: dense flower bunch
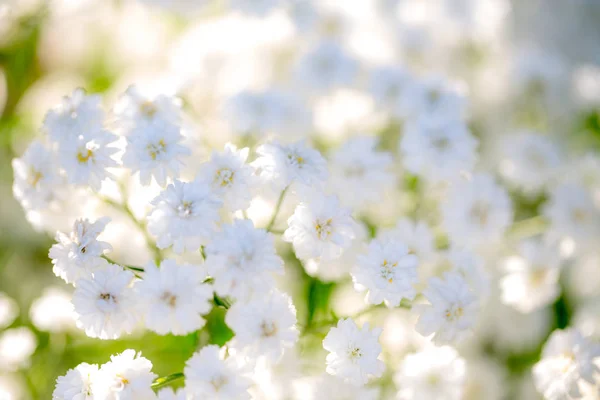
166	207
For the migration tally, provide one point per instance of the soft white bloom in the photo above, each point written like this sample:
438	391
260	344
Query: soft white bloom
137	109
53	311
76	384
359	173
387	272
530	161
320	228
174	298
284	164
184	216
208	374
230	177
451	312
332	388
17	345
434	373
438	149
257	114
326	67
127	376
170	394
35	177
569	362
85	159
353	352
531	281
416	235
75	117
573	214
77	254
389	87
9	310
436	98
242	259
105	304
155	151
470	267
264	325
477	212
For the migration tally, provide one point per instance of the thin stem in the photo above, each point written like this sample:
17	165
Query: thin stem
277	207
131	267
165	380
221	302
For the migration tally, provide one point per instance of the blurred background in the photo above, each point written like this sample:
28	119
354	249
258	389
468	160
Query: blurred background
525	64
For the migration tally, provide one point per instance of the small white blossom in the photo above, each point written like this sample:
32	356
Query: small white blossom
127	376
79	253
170	394
35	177
230	177
320	228
17	345
332	388
174	298
284	164
387	272
432	374
416	235
438	149
389	87
326	67
53	311
353	352
105	304
451	312
477	212
155	151
184	216
242	259
258	8
264	326
208	374
569	362
9	310
77	383
360	175
532	277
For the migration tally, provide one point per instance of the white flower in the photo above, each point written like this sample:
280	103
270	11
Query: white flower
85	159
17	345
184	216
79	253
569	363
170	394
530	161
389	87
353	352
438	149
208	374
74	117
471	268
451	312
174	298
360	175
259	8
155	151
283	165
416	235
105	304
127	376
264	325
387	271
320	228
326	67
432	374
532	278
35	177
242	259
332	388
53	311
76	384
9	310
135	109
230	177
436	98
477	212
573	214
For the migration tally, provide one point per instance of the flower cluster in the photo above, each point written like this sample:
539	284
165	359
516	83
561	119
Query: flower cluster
352	226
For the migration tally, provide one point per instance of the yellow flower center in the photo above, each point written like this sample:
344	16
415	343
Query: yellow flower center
84	157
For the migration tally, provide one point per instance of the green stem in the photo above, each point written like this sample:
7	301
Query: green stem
528	227
131	267
277	208
221	302
165	380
